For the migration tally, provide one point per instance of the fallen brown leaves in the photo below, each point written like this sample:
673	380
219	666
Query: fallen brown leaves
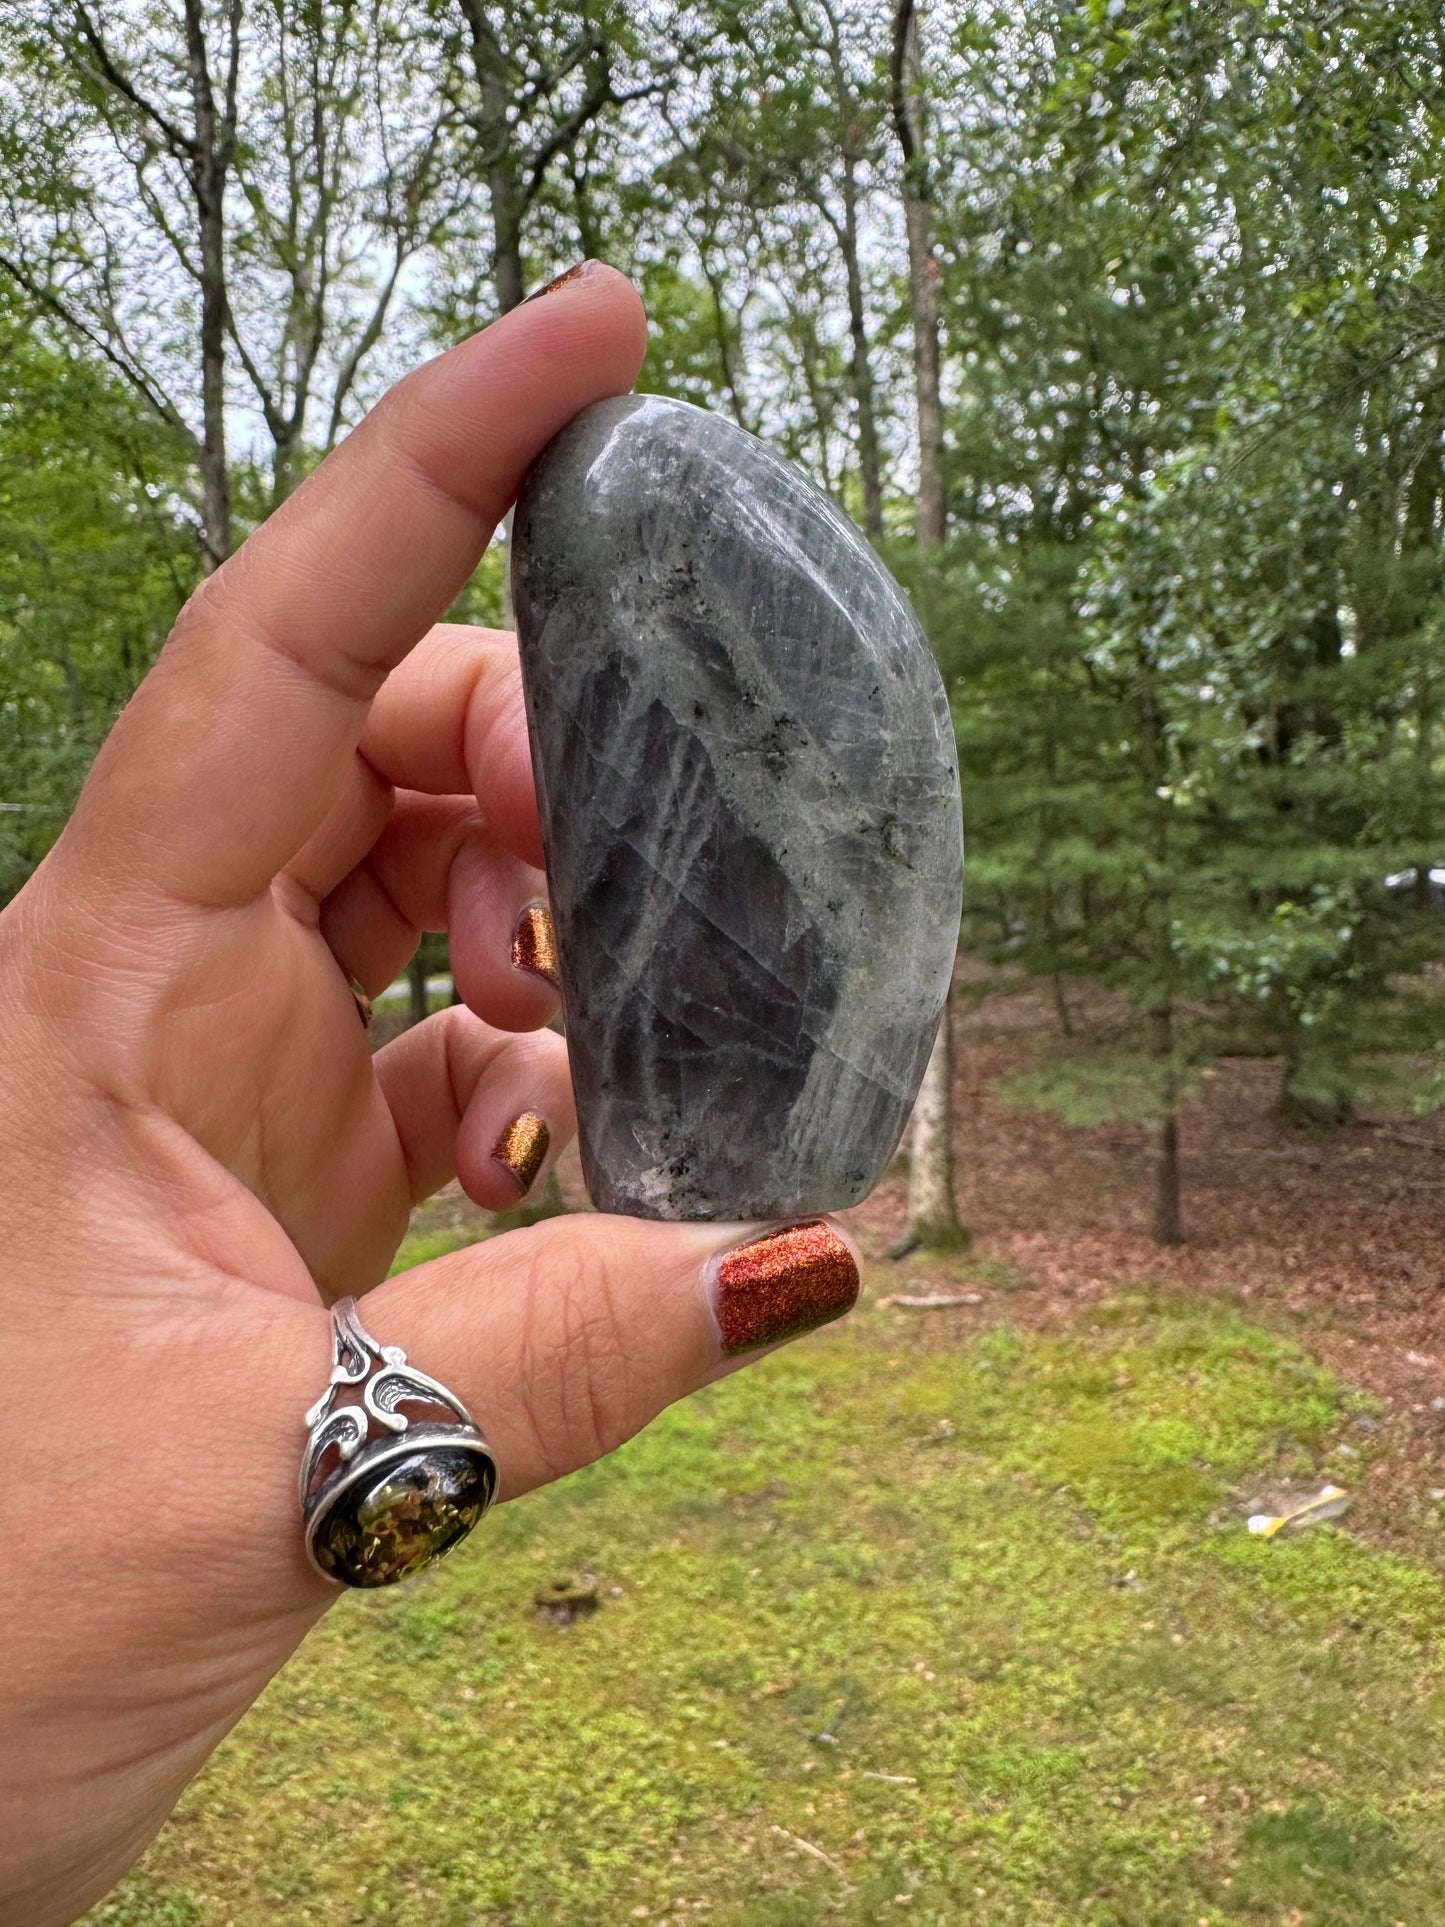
1342	1235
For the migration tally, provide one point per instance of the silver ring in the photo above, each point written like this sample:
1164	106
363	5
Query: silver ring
384	1495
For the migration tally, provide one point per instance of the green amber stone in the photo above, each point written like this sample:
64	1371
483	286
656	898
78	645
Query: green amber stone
414	1511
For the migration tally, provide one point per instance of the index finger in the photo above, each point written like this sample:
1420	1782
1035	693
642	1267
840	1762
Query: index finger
242	736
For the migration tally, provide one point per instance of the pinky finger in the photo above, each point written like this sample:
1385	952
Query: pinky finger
492	1108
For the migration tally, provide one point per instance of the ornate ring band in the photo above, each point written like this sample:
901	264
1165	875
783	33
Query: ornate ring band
384	1495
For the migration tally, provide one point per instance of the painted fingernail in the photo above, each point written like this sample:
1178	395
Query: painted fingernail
558	281
781	1285
522	1148
534	944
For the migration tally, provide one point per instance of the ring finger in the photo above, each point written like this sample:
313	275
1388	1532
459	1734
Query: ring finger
490	1109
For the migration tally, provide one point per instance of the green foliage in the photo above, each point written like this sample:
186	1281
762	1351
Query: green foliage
1095	1087
96	556
1191	608
1429	1095
1028	1668
1194	607
420	1247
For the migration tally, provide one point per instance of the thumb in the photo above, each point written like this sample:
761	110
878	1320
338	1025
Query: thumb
565	1339
561	1341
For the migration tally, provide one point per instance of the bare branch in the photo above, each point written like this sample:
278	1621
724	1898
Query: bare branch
226	142
47	299
599	95
544	83
158	214
270	408
115	77
903	115
362	346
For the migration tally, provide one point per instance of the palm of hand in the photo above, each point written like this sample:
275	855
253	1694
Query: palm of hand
198	1144
264	1063
199	1148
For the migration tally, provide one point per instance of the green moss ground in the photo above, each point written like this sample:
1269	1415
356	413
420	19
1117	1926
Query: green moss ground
981	1626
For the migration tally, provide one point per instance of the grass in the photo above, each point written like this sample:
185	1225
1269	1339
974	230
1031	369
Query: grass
957	1638
419	1247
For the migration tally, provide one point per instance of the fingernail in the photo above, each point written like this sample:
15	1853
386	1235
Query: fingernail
557	281
522	1148
781	1285
534	944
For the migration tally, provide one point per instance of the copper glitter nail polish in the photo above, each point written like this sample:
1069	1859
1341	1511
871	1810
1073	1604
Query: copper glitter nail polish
782	1285
522	1147
534	943
557	281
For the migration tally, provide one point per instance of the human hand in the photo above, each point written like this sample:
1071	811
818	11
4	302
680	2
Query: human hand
198	1147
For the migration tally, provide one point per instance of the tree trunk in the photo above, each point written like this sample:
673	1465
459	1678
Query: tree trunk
1168	1220
1061	1005
923	275
513	176
507	235
723	335
924	283
932	1208
1168	1215
1425	778
1318	1110
497	138
208	180
1051	939
506	611
285	463
416	977
861	366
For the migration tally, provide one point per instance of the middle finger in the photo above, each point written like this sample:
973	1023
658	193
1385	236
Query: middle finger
439	866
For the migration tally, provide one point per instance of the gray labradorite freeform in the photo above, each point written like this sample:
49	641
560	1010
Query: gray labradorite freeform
749	794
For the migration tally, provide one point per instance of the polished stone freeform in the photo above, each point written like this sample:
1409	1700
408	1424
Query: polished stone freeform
749	791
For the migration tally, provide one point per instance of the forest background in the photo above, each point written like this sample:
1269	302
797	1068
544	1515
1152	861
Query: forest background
1118	327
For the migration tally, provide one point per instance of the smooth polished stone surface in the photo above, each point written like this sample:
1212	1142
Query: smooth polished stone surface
746	771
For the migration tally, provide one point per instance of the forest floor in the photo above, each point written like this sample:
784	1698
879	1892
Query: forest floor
941	1616
1340	1235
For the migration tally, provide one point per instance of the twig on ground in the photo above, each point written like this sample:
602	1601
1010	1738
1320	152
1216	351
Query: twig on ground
1402	1137
940	1301
817	1852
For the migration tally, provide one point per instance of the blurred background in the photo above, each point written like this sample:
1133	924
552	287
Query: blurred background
1118	328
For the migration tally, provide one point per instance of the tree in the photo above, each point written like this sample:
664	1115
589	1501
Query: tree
800	161
527	86
932	1204
1170	496
223	210
95	560
528	91
1201	430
